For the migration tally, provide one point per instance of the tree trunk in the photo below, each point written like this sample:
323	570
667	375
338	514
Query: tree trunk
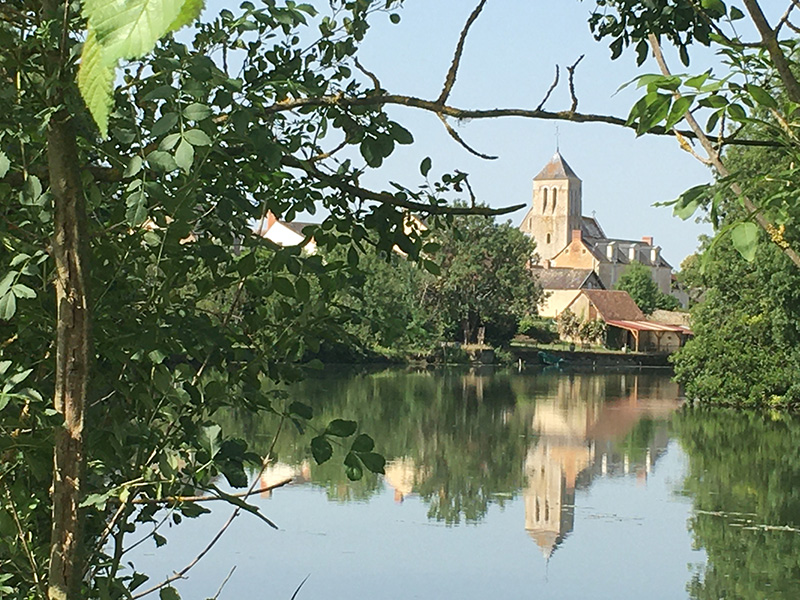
72	357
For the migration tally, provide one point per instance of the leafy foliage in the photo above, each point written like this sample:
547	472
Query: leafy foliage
486	279
638	281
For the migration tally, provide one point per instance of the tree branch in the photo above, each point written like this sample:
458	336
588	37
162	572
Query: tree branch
770	39
716	160
387	198
454	134
451	74
550	91
571	70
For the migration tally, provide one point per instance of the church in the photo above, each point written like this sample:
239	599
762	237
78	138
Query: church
574	252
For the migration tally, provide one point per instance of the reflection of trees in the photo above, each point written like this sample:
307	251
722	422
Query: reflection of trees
464	439
459	430
744	473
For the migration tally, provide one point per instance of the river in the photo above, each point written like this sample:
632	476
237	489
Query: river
510	485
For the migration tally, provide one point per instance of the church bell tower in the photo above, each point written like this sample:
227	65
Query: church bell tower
556	207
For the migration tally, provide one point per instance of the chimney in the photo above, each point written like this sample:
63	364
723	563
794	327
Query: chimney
654	251
610	251
632	253
576	235
648	239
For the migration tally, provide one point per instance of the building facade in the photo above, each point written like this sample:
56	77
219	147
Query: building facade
567	239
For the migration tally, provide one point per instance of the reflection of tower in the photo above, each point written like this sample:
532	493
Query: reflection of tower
549	499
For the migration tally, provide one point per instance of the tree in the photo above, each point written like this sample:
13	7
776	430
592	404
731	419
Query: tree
139	227
592	331
568	324
759	87
637	280
486	278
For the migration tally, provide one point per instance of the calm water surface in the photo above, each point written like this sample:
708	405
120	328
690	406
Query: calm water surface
513	485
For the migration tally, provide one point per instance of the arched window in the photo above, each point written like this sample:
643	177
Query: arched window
555	198
548	238
544	202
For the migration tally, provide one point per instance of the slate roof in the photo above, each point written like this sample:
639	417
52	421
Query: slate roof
557	168
615	305
591	228
556	278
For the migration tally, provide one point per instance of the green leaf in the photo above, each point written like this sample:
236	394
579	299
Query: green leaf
761	96
169	142
169	593
7	282
96	80
184	156
425	166
373	461
301	410
164	124
131	28
197	137
23	291
431	267
745	238
190	10
284	287
136	203
400	134
353	468
161	161
247	264
363	443
4	165
197	112
736	14
394	18
321	449
678	110
236	501
341	428
234	473
8	306
303	289
134	166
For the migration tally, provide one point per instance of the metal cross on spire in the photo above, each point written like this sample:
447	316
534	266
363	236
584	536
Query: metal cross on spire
557	148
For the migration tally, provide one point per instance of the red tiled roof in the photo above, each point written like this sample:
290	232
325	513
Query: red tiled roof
615	305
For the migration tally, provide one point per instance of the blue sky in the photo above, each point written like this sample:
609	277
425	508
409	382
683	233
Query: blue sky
509	61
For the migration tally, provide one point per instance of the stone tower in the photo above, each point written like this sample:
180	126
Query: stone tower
556	207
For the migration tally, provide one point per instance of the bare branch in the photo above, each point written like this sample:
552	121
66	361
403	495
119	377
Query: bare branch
330	153
550	91
454	134
571	70
387	198
785	18
451	74
716	160
375	82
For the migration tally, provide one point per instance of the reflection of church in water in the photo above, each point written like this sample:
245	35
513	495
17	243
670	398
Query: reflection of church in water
580	433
